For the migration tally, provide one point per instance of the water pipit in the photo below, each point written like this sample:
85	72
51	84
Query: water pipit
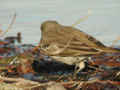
69	45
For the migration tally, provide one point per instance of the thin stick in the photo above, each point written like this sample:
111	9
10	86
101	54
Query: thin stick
58	51
82	19
115	41
10	25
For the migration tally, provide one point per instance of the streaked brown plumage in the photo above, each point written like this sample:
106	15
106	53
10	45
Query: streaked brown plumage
67	43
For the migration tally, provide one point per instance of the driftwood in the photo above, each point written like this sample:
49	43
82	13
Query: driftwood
22	84
17	84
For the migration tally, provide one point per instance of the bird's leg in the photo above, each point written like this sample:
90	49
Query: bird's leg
80	64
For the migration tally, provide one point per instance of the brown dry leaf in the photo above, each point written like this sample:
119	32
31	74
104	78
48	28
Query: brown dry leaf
101	85
25	65
108	61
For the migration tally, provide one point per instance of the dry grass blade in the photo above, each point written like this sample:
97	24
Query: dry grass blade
115	41
55	50
82	19
10	25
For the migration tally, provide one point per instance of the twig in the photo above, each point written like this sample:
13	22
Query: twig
12	62
58	50
115	41
82	19
10	25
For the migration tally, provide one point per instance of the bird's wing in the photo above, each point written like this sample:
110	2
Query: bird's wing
70	41
80	44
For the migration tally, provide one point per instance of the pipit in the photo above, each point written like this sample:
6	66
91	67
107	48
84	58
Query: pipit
69	45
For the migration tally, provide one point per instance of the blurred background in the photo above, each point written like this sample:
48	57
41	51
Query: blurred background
103	23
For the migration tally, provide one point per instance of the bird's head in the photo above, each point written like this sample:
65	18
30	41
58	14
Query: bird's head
48	25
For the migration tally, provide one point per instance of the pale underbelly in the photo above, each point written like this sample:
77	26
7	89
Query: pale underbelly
68	60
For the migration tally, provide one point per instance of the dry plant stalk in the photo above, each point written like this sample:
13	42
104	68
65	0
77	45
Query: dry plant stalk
25	64
22	84
82	19
10	25
115	41
18	84
53	49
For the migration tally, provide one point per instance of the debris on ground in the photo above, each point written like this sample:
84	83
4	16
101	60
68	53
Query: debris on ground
24	67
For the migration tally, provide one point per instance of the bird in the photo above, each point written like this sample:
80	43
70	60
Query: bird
70	45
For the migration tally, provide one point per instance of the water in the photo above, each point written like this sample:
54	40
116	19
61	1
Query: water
103	24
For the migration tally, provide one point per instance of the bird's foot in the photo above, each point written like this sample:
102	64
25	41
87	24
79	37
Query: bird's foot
80	67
